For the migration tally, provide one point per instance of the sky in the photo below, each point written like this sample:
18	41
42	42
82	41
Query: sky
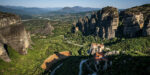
71	3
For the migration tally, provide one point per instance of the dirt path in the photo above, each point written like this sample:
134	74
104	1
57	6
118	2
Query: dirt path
74	44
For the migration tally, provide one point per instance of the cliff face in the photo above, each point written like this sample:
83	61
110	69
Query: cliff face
109	20
45	30
103	23
144	9
132	22
106	22
146	28
13	35
8	19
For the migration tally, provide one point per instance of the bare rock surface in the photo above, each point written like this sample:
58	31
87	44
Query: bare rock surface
12	34
104	23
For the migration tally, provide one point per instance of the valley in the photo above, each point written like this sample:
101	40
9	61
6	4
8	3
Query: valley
51	34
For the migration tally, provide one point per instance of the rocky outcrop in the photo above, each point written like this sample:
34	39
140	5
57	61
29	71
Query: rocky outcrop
146	28
8	19
45	30
14	36
133	22
144	9
104	23
109	20
92	24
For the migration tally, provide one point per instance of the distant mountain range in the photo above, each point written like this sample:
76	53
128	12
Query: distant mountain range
31	12
26	11
36	11
77	9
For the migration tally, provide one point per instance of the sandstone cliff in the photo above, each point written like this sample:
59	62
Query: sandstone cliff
7	19
104	23
109	23
144	9
109	20
13	35
46	29
146	28
132	22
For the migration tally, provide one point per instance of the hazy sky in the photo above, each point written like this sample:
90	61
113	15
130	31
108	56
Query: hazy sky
71	3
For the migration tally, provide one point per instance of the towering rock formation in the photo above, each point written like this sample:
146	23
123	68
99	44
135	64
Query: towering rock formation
47	29
133	22
146	28
144	9
44	31
104	23
86	24
93	24
75	28
13	35
81	24
109	20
